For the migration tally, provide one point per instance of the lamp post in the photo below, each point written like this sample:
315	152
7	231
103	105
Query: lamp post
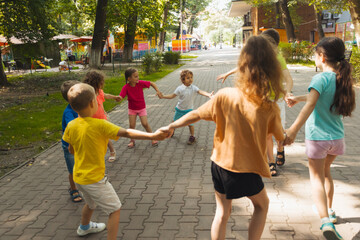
181	31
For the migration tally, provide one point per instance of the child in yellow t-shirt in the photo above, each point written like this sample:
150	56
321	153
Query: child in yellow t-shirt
244	116
88	138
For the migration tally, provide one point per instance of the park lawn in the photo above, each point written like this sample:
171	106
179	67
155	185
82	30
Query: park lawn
38	121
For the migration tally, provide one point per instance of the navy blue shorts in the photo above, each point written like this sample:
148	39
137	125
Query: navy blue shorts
235	185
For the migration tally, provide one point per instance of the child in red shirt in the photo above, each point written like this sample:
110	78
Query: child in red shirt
136	102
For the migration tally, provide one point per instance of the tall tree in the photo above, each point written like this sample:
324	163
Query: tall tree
354	7
318	18
98	36
28	20
289	27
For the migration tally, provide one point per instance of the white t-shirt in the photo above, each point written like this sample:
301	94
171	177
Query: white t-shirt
186	96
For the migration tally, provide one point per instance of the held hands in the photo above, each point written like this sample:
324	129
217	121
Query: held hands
118	98
160	134
159	94
291	100
169	131
289	137
211	94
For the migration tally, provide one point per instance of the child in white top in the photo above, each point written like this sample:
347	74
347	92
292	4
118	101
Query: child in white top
186	93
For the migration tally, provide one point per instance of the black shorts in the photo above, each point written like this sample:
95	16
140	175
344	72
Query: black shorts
235	185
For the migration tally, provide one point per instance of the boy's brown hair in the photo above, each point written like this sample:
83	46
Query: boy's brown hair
80	95
184	73
66	86
260	72
94	78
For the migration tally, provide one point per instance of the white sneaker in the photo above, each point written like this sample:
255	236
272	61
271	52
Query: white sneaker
94	228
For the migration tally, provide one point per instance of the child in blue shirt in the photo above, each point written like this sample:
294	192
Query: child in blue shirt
69	115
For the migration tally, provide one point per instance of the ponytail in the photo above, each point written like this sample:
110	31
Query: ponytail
333	49
344	99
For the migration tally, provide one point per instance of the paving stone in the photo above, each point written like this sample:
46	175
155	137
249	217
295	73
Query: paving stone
167	192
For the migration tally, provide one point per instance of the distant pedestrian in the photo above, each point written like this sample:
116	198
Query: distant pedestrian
274	37
133	89
331	97
69	115
88	138
186	92
244	116
96	79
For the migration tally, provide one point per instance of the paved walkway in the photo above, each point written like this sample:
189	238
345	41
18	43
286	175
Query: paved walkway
167	192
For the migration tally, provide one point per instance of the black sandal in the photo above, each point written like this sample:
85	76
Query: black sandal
280	158
273	171
75	196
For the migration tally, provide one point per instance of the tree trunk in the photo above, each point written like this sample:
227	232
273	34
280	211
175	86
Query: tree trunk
96	50
3	78
163	33
318	17
129	38
178	31
289	27
355	17
277	13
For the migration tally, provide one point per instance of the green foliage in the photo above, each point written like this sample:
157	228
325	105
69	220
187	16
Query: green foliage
171	57
355	62
293	52
39	119
152	62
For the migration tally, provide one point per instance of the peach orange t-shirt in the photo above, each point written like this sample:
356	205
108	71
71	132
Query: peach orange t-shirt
100	113
241	130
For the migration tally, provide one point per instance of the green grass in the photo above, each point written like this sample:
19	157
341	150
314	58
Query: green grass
39	119
302	63
188	57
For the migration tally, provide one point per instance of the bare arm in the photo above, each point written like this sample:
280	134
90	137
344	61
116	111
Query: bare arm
135	134
169	96
110	96
288	82
226	75
292	100
158	93
206	94
305	112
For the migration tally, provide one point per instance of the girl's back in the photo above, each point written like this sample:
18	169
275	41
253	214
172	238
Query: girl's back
241	130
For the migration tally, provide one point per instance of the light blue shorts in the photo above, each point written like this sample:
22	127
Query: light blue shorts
321	148
179	113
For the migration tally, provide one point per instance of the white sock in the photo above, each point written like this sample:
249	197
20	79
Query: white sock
325	220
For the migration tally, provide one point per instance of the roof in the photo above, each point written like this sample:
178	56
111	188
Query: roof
239	8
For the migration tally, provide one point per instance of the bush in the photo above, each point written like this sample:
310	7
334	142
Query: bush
152	62
147	62
355	62
297	51
171	57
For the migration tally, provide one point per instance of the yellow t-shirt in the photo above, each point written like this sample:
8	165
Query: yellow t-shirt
241	131
282	62
89	138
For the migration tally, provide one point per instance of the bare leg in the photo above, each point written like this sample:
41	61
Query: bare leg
73	187
132	123
257	223
222	214
329	184
145	124
192	131
86	215
317	179
269	148
113	225
111	147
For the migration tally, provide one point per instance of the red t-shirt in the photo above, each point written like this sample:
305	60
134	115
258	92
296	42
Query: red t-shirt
135	94
100	98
